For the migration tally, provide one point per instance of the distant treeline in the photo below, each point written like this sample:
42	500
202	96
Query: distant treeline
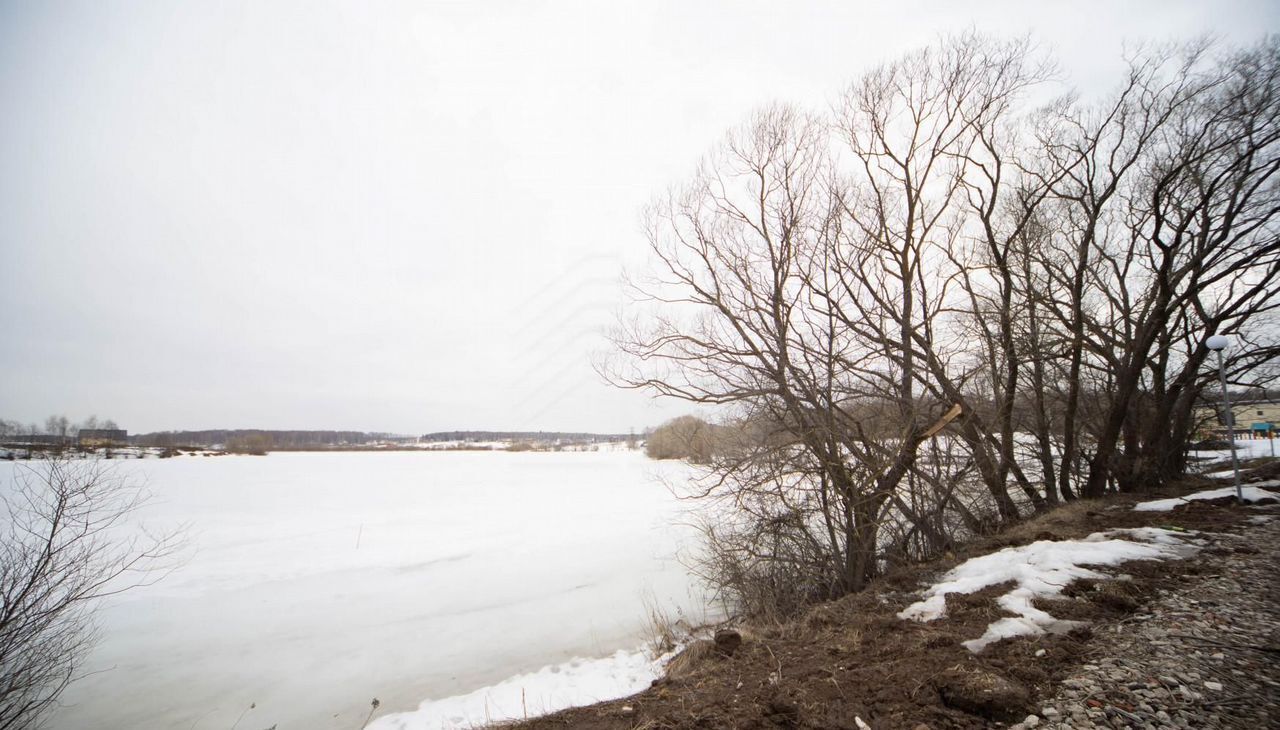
258	439
531	436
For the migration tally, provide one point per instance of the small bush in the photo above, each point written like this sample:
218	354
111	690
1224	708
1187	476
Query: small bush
686	437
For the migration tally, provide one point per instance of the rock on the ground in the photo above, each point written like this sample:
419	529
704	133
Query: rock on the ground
983	693
727	641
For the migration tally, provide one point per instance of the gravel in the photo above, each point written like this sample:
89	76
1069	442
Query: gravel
1206	655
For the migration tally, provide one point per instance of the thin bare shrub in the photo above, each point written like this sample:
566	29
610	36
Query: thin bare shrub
65	544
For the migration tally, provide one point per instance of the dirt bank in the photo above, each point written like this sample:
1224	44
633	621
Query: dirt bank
853	663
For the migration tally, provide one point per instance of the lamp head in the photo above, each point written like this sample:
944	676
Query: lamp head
1217	343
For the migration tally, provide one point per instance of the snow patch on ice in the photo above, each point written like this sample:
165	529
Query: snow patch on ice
1041	570
552	688
1251	494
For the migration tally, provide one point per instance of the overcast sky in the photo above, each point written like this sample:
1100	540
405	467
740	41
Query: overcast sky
403	216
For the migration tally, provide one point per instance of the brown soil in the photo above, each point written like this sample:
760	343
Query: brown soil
1260	470
854	658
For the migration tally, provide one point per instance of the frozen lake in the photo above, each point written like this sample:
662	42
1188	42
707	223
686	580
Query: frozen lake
470	567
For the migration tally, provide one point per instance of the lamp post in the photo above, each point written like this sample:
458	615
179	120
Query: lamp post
1218	343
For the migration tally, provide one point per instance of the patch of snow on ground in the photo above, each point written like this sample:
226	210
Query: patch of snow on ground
1245	449
552	688
1251	494
1041	570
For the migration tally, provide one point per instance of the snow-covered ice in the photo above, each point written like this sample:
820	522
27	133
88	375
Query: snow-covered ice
1041	570
318	581
1251	494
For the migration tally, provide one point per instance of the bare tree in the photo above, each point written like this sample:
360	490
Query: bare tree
59	426
930	175
740	322
65	544
1169	199
1207	218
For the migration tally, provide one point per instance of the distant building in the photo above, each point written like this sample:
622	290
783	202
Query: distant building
1257	418
103	437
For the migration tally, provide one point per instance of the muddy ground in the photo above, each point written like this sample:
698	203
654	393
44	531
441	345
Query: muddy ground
853	659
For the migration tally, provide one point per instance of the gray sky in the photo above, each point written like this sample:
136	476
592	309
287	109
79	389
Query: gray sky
398	216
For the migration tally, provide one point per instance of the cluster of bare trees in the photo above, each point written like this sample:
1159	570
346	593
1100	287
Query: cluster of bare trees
60	427
950	301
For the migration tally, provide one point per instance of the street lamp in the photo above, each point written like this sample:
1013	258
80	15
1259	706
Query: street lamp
1218	343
